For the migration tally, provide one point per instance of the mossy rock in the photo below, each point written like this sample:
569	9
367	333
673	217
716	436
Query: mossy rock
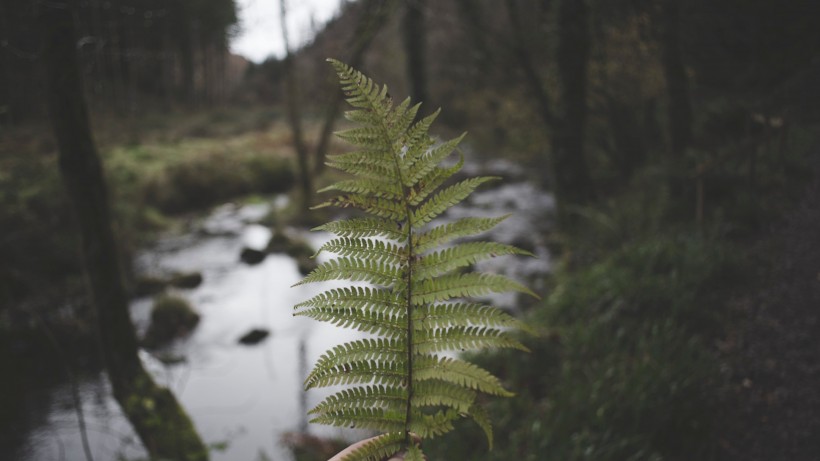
171	317
253	337
294	247
147	285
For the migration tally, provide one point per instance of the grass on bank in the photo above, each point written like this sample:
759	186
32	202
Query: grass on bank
156	166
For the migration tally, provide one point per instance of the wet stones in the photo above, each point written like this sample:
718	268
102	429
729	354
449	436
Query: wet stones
172	317
253	337
252	256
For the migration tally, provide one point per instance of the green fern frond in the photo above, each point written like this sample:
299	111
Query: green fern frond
393	373
480	416
432	181
364	227
367	163
380	300
380	188
391	398
411	309
446	199
458	372
381	207
462	339
378	419
445	233
366	320
433	393
426	162
355	270
414	454
384	252
379	448
434	316
463	255
464	286
361	350
429	426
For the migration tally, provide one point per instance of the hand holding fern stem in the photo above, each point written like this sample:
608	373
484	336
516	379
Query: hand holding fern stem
409	307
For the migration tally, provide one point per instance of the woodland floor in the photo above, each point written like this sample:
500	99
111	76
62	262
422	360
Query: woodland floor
775	367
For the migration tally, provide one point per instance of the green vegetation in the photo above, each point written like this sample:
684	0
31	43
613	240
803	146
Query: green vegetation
405	386
156	167
628	367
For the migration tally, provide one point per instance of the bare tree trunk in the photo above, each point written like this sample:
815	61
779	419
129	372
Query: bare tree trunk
294	112
162	425
525	60
573	184
677	83
570	174
414	45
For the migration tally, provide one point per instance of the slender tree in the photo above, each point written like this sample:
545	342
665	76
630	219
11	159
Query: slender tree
679	104
572	180
294	112
415	42
162	425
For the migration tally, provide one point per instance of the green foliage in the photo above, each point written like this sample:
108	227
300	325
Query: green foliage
401	385
627	371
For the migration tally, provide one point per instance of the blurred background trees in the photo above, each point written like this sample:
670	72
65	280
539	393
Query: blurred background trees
663	128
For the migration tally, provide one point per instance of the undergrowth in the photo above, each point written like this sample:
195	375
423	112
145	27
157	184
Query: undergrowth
628	367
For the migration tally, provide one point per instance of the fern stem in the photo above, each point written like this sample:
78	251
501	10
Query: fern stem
410	326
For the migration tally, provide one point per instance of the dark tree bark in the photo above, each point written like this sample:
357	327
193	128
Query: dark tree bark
292	101
569	171
525	60
677	83
164	428
185	49
573	185
630	150
415	43
471	13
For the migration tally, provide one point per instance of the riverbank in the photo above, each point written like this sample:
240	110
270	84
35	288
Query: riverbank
158	167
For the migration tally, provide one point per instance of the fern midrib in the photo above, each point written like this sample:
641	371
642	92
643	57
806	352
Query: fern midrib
410	260
409	286
410	326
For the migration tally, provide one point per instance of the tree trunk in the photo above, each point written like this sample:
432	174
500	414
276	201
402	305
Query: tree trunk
160	422
570	175
677	84
573	185
294	113
414	47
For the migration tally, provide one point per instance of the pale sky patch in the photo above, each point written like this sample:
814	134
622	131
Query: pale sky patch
261	34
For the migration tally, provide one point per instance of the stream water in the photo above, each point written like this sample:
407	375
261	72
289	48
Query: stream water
242	399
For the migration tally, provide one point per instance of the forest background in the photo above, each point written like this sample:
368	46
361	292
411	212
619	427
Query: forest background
676	137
